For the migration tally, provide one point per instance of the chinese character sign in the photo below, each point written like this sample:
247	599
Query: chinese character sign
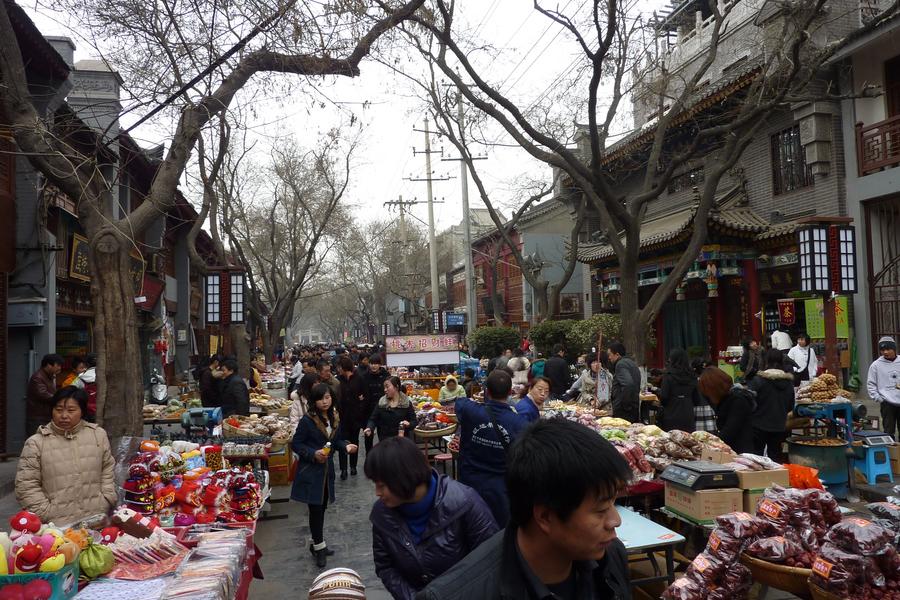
842	317
403	344
786	313
815	318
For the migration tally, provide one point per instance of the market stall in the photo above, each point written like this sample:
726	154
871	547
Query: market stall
422	362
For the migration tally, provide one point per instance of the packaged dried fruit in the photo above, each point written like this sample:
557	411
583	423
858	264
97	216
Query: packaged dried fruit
861	536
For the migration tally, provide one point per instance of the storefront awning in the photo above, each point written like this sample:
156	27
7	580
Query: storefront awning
730	216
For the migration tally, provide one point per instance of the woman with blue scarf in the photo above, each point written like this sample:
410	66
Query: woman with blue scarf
423	523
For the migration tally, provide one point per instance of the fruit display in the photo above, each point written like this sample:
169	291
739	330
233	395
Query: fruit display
823	388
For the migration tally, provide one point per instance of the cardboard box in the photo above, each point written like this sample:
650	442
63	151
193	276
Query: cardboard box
751	498
759	480
894	455
716	456
63	582
703	506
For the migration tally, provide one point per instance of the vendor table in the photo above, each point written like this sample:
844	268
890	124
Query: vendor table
642	536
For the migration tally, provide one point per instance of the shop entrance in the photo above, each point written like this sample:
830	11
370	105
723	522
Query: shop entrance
882	225
685	327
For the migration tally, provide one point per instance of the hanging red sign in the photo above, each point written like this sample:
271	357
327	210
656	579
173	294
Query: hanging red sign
786	313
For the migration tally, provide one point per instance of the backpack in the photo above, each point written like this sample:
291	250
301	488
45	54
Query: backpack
537	368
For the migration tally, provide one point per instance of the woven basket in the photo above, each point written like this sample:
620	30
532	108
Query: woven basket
789	579
428	434
820	594
284	411
230	432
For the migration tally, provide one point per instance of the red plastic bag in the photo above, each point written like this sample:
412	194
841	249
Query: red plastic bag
804	478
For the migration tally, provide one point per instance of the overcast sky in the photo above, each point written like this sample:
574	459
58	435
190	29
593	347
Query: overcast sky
533	53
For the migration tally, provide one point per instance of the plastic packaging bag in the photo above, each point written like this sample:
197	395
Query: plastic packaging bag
706	569
860	536
803	478
885	510
723	545
96	560
781	550
742	525
685	589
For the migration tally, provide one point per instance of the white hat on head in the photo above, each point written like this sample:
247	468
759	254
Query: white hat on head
338	584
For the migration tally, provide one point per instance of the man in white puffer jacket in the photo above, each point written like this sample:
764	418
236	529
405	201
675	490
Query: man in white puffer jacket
883	383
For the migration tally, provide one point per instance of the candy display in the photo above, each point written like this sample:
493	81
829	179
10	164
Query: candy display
823	388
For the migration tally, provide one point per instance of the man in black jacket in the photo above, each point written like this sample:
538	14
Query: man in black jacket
626	385
374	384
353	410
561	541
235	395
556	369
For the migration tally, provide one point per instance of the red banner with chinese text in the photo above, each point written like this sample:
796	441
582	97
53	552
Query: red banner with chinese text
787	314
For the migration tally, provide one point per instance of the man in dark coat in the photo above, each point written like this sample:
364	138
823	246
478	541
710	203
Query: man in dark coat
374	382
39	393
626	385
774	400
561	541
235	395
556	369
485	432
353	410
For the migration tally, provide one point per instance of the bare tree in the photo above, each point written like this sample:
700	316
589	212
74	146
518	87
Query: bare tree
616	56
282	232
216	49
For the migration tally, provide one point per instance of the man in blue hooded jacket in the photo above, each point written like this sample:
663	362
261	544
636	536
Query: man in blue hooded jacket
486	431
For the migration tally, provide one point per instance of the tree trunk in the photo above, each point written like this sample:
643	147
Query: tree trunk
240	345
544	309
119	373
634	327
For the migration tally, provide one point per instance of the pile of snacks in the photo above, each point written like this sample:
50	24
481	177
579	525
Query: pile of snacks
266	401
213	569
268	426
789	527
823	388
431	416
752	462
859	560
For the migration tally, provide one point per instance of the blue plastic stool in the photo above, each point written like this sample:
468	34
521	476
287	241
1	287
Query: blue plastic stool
872	468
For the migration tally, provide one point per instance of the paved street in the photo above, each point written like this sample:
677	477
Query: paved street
287	564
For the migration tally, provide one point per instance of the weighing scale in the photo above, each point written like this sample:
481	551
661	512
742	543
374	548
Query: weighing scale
700	475
874	438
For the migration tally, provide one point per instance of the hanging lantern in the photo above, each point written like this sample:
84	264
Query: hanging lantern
813	244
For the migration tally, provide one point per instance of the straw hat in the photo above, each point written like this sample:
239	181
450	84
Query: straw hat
338	584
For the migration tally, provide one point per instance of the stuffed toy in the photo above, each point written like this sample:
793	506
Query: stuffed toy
27	559
24	522
189	493
109	535
134	524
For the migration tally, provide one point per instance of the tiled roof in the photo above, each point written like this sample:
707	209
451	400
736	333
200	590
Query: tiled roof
539	210
731	216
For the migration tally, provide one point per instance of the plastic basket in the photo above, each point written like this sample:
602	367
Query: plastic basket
794	580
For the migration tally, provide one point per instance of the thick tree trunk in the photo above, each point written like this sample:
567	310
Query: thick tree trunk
544	309
634	327
119	392
240	345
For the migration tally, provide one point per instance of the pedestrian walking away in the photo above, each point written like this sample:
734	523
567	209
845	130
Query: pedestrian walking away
352	411
678	394
774	400
883	384
317	435
556	369
486	431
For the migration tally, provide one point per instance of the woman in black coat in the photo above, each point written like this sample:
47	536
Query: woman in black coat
423	523
394	412
314	482
678	394
774	400
734	408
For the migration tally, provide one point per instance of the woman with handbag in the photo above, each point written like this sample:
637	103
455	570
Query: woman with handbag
805	358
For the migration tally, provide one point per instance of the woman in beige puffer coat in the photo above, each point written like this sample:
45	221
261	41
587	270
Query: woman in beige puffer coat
66	469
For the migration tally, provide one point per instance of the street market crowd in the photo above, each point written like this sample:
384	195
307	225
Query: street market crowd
532	513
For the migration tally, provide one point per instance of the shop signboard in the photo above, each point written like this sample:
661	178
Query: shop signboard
403	344
815	318
422	350
455	319
842	318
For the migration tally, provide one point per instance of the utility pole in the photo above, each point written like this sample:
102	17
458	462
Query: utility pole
471	314
432	244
